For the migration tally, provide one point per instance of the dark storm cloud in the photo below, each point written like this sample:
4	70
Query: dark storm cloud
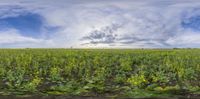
104	35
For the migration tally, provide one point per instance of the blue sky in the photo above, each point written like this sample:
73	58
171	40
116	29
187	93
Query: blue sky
27	24
99	23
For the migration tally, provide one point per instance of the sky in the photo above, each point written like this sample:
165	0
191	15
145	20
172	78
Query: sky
99	23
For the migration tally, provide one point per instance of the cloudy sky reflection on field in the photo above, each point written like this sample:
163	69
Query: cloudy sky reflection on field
99	23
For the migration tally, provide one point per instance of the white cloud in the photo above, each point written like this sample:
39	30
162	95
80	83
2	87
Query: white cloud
13	37
153	23
187	39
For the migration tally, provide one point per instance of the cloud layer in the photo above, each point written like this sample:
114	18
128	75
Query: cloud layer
94	23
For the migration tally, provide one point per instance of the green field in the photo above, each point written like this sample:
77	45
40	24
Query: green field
100	72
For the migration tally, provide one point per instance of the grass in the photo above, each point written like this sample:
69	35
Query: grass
100	72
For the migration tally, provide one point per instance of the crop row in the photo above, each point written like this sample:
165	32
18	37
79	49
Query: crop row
94	72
